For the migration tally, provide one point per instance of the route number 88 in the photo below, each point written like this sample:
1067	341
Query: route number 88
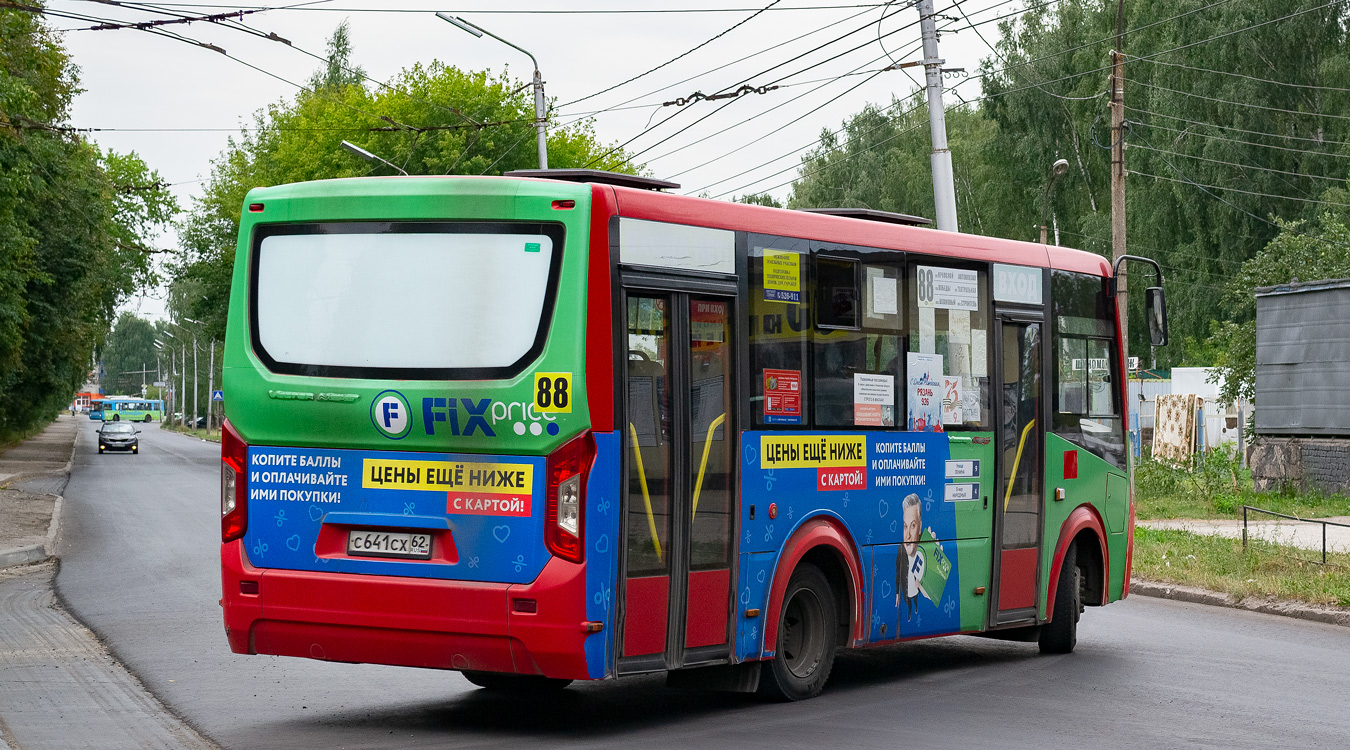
553	392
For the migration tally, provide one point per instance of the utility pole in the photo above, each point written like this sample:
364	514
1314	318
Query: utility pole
182	410
1118	172
944	186
211	389
194	384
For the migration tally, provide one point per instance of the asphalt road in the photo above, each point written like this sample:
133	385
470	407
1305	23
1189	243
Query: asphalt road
139	553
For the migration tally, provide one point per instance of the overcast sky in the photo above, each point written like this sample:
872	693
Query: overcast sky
135	82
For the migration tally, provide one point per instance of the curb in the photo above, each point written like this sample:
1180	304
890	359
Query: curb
36	553
1195	595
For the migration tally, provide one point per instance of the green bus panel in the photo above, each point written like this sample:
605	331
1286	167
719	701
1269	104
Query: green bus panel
1089	488
974	526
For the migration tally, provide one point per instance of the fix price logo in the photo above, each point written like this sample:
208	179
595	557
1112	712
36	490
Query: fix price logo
390	414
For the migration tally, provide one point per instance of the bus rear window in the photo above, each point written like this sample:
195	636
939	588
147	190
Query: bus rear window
403	299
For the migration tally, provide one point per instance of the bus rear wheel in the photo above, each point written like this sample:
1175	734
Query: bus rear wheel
1060	635
807	628
516	683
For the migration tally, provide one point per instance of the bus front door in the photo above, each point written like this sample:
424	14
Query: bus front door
679	449
1020	434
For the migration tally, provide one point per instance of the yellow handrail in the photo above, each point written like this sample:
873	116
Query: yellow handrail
707	445
1016	460
646	496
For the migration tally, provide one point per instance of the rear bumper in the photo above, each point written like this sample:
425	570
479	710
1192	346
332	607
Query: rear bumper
413	622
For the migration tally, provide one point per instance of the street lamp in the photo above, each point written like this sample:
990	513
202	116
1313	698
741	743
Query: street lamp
364	154
1057	170
539	120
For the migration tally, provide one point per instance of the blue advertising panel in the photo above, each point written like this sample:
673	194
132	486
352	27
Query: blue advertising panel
886	489
484	513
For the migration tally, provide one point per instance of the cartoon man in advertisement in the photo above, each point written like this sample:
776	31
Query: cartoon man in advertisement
921	566
910	563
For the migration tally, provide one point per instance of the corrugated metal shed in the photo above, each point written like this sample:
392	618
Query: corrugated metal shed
1303	358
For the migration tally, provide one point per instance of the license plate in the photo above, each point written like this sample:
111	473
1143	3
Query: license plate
370	543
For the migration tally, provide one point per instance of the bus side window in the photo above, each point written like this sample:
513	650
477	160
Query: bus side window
780	319
1087	408
949	318
856	342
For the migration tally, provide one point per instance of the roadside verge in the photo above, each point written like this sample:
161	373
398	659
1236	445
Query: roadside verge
33	475
1196	595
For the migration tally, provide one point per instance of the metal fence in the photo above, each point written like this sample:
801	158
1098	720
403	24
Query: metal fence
1324	524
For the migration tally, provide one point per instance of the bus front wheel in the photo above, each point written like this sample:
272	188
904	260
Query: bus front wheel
807	628
117	417
1060	635
516	683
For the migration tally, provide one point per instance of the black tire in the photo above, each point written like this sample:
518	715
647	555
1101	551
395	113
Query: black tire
117	417
100	451
516	683
808	626
147	419
1060	635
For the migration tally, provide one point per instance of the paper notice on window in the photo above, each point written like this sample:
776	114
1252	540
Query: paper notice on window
959	326
782	277
927	328
979	353
970	399
958	358
924	376
951	400
873	400
885	295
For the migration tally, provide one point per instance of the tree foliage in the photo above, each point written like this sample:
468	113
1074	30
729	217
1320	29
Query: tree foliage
1268	151
130	348
1303	251
72	223
429	120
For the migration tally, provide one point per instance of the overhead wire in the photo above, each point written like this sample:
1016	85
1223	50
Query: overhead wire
1213	136
678	57
763	72
532	11
1242	166
1149	56
1234	74
1236	129
1236	103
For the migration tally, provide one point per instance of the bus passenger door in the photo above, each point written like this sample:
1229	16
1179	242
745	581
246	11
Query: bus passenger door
679	499
1020	430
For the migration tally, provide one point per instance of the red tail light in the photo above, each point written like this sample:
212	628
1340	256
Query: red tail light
565	497
233	484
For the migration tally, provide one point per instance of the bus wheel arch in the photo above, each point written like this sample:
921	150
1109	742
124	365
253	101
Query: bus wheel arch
1083	527
823	543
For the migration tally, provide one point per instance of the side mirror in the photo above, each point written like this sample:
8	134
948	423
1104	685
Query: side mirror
1155	309
138	432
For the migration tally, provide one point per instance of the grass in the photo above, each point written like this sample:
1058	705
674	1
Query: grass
213	436
1216	486
1263	570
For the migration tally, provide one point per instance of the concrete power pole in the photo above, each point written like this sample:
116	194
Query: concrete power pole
944	186
1118	170
211	389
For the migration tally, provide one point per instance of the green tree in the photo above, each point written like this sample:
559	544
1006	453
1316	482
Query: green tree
130	348
1202	111
72	228
1302	251
430	120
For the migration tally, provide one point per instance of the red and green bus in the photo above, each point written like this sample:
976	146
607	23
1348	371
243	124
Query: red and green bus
563	425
